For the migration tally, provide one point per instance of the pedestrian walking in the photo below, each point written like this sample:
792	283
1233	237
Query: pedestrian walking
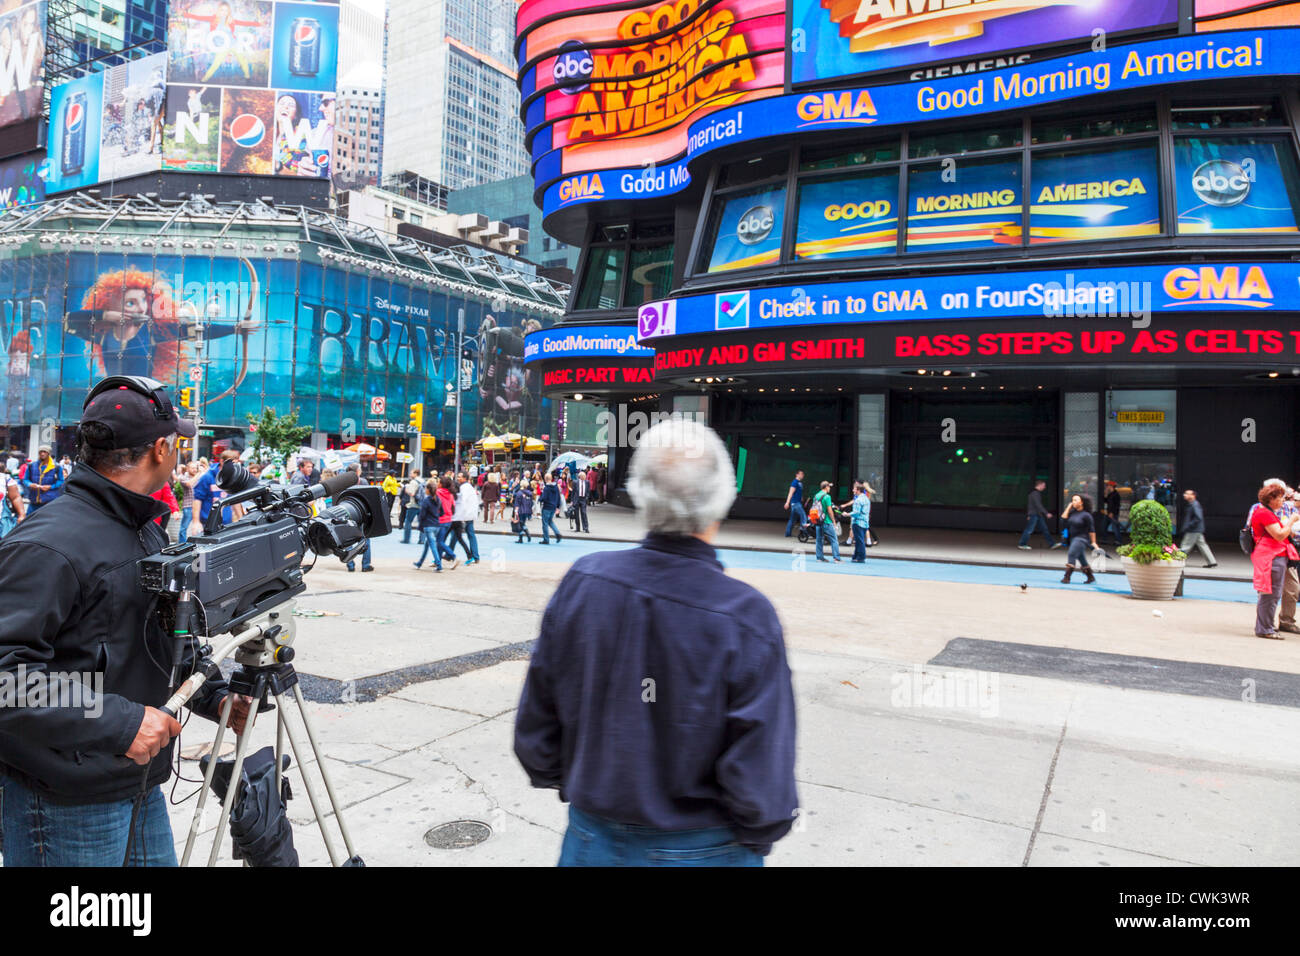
1082	533
430	518
658	700
523	505
42	479
1291	585
826	517
581	491
794	504
860	517
491	496
1271	534
12	507
462	522
1194	528
413	492
365	555
550	502
1037	517
1112	502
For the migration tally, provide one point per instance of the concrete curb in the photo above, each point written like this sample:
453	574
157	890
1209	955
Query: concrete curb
579	536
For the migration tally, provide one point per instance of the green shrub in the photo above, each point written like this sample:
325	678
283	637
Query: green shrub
1151	534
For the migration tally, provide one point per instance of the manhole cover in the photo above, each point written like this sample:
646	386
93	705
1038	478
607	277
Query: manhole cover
457	835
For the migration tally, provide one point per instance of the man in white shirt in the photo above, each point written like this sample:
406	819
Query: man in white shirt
462	519
414	494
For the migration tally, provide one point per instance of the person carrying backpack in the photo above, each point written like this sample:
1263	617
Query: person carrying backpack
826	518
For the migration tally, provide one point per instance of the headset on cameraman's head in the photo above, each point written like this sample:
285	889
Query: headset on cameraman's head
150	388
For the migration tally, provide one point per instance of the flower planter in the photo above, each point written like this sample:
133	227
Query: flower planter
1156	581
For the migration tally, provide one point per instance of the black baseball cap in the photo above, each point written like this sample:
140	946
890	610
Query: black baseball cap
135	410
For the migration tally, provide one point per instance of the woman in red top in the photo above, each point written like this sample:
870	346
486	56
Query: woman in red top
448	502
167	497
1273	548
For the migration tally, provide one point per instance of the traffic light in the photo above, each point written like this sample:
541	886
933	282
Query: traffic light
185	397
417	416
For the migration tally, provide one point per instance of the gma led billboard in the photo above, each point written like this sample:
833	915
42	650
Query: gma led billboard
612	85
837	38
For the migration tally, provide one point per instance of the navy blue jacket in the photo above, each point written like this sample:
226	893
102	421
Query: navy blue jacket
550	499
1193	517
430	512
658	694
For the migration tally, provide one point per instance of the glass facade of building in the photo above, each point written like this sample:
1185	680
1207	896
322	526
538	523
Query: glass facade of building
348	341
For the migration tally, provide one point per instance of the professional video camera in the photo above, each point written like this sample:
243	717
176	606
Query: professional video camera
255	564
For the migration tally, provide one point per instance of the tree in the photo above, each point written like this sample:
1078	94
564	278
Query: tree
276	435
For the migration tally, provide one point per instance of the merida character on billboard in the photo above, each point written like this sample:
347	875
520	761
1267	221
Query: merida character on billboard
136	326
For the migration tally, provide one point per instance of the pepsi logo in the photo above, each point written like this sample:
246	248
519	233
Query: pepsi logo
247	130
74	117
306	33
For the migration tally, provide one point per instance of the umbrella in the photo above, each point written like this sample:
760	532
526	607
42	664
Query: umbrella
494	443
578	459
533	445
601	459
382	455
362	449
259	825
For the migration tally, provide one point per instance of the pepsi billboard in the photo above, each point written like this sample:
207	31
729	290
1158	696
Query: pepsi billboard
76	108
250	87
304	47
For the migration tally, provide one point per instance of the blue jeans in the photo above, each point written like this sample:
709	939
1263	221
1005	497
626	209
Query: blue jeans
548	521
797	517
1036	523
830	532
411	514
36	832
365	558
595	841
433	541
183	533
859	543
473	540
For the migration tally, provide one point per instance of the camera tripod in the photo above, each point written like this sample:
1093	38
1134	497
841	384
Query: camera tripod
264	655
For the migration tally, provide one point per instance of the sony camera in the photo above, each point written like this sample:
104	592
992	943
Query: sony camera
240	571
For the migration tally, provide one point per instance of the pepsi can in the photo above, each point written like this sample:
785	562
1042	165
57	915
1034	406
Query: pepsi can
304	47
72	157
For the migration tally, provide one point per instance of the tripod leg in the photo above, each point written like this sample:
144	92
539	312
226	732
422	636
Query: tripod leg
232	792
197	821
279	747
324	773
306	784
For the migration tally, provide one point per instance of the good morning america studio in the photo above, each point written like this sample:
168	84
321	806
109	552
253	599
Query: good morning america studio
946	247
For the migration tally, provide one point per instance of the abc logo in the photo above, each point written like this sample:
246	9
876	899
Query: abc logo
247	130
1221	182
755	225
572	63
862	210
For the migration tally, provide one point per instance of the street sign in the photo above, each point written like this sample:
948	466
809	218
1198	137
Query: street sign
404	457
451	401
196	373
377	404
206	433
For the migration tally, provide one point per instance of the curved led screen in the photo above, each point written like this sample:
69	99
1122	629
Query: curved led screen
613	85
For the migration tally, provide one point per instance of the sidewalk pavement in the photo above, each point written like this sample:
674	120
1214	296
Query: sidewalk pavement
988	548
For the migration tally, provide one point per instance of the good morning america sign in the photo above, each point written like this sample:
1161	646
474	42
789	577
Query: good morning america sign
583	341
1218	56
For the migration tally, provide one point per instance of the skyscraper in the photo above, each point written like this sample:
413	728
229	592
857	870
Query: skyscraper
451	105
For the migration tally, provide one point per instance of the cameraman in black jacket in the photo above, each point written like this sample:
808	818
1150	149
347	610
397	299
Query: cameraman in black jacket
81	655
